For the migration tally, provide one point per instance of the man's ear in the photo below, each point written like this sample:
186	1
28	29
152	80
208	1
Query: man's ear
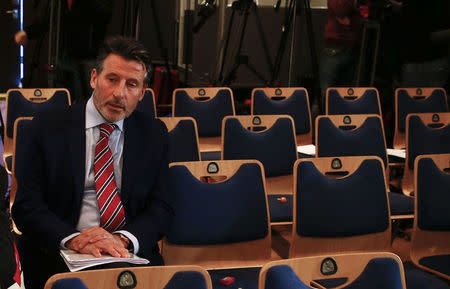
93	78
143	92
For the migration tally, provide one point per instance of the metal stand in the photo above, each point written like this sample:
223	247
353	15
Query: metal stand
244	6
366	60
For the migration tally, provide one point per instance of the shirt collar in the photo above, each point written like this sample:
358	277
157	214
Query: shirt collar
94	118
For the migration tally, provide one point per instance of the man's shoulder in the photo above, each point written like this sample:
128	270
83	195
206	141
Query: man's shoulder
146	122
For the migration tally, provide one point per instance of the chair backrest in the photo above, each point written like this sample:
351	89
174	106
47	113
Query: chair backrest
157	277
415	100
293	101
221	218
147	104
183	139
431	229
207	105
350	135
29	102
426	133
340	204
267	138
358	270
352	100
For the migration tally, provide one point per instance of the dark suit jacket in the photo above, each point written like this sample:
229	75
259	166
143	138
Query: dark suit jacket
51	182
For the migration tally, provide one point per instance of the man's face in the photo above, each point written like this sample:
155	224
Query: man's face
118	88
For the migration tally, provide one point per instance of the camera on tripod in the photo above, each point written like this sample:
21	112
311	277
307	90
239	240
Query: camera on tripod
207	9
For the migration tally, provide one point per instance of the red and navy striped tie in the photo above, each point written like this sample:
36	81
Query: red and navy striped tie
112	215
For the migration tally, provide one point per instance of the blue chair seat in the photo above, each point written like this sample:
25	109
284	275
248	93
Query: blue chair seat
280	212
246	278
440	263
8	163
401	204
419	279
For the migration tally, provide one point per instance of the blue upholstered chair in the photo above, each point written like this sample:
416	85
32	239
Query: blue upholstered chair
430	246
415	100
28	102
183	139
354	270
293	101
158	277
271	140
352	100
221	217
208	106
340	205
147	104
359	135
426	133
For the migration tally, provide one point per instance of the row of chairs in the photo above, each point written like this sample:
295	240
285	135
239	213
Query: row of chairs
357	270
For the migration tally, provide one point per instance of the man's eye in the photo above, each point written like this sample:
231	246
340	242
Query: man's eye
132	84
111	79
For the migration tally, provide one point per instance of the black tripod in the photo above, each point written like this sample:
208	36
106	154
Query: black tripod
244	7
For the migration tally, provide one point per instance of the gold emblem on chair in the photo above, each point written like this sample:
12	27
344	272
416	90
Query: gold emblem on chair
126	280
328	266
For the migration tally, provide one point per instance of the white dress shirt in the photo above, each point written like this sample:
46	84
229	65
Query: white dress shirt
90	214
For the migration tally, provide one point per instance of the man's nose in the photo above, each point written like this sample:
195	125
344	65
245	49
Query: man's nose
119	90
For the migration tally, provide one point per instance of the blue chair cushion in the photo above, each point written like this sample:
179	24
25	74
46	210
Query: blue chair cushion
348	206
419	279
401	204
280	212
243	277
187	280
440	263
8	162
366	104
281	277
366	140
207	114
147	105
425	140
275	147
406	105
19	106
183	145
433	197
231	211
296	106
69	283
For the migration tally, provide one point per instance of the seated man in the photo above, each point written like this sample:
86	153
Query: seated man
95	178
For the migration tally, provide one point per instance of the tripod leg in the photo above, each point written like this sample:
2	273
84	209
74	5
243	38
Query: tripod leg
259	75
263	38
225	47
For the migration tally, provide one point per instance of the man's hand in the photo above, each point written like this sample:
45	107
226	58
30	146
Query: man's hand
21	38
97	240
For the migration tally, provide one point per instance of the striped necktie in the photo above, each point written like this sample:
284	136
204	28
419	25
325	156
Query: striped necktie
112	215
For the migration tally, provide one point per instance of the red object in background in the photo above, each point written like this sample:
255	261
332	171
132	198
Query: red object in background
227	281
163	93
364	10
282	199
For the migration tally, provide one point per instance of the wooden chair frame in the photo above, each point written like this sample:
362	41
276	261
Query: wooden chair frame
400	137
279	185
350	266
427	118
429	243
240	254
287	92
345	92
172	122
206	144
155	277
310	246
37	95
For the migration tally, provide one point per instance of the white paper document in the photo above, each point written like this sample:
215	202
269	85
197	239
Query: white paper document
397	152
307	149
76	261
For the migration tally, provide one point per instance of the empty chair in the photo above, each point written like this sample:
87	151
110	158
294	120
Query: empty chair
415	100
221	216
426	133
208	106
147	104
340	205
158	277
352	100
430	245
356	271
29	102
293	101
359	135
183	139
271	140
